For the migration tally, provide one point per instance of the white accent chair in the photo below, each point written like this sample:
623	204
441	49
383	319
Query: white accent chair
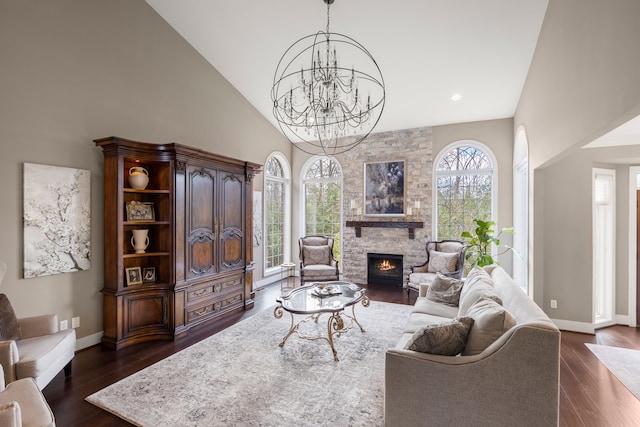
23	405
39	349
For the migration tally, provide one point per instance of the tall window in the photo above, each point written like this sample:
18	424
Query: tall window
603	244
464	187
276	217
521	210
322	184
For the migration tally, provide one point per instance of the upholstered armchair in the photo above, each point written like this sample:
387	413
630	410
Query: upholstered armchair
33	346
23	405
317	263
444	256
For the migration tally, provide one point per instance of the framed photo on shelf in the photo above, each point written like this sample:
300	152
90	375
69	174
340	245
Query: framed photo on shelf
134	276
149	274
140	211
384	188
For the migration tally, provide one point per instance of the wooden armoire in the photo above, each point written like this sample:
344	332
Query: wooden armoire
197	208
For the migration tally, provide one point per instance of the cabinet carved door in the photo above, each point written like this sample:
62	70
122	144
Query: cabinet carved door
201	219
231	221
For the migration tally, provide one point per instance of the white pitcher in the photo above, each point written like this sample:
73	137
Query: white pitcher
138	178
140	240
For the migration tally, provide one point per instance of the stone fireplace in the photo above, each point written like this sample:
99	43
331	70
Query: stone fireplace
376	234
384	269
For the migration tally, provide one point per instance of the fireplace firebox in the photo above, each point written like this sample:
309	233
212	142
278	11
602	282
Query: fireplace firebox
384	269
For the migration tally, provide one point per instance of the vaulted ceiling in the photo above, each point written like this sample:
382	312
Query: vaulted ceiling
427	50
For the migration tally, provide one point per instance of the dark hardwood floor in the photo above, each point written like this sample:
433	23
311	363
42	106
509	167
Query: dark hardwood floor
589	394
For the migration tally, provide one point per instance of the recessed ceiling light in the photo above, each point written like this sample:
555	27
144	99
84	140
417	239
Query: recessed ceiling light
456	97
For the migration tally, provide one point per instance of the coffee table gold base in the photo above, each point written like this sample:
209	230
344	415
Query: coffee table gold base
336	325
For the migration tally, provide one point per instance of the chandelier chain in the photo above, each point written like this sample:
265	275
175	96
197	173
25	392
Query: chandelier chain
328	6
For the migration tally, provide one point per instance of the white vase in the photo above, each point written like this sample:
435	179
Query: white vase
140	240
138	178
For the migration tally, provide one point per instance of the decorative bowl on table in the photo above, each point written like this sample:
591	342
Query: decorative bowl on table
326	290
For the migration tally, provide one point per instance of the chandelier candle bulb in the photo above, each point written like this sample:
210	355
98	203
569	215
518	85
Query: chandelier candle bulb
417	204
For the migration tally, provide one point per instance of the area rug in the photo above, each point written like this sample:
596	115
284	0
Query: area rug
624	363
242	377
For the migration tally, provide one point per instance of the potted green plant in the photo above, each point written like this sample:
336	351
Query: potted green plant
478	249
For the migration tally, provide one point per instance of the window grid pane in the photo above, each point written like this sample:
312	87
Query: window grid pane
322	194
464	184
274	223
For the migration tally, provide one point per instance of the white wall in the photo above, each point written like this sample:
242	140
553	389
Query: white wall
582	83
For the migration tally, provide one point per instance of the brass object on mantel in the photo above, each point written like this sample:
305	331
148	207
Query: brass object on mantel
409	225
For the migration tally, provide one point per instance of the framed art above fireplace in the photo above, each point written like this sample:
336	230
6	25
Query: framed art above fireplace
384	188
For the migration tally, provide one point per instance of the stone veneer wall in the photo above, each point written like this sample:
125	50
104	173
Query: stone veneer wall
414	146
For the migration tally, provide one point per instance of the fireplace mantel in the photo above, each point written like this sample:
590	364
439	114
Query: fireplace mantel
409	225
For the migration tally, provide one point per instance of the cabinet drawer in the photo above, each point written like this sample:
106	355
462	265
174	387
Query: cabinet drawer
206	290
214	307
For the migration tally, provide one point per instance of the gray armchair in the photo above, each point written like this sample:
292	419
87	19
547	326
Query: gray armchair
444	256
317	263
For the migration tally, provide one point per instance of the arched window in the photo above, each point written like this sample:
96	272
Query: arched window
464	188
276	212
322	186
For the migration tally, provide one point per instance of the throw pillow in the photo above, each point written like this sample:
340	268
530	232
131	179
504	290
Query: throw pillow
442	262
445	290
9	326
447	338
490	321
478	291
317	255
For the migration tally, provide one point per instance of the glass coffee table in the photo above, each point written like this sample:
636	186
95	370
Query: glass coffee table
313	300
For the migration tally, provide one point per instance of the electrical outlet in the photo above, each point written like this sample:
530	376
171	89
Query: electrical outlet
64	324
554	303
75	322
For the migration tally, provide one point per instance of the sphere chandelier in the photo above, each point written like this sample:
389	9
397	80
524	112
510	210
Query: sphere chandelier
322	106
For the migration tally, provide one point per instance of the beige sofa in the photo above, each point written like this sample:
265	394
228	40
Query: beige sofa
512	382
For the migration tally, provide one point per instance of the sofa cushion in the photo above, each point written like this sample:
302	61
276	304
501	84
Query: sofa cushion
476	286
447	338
490	321
417	320
37	355
442	262
474	276
426	306
445	290
317	255
9	326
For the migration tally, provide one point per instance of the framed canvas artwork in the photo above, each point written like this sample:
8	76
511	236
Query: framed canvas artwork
57	220
384	188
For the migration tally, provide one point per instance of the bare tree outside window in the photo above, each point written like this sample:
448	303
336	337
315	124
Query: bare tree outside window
464	182
322	194
274	199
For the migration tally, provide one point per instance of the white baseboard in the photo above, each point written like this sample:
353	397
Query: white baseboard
89	340
570	325
623	319
266	281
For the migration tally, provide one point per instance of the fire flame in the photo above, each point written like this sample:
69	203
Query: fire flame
385	265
